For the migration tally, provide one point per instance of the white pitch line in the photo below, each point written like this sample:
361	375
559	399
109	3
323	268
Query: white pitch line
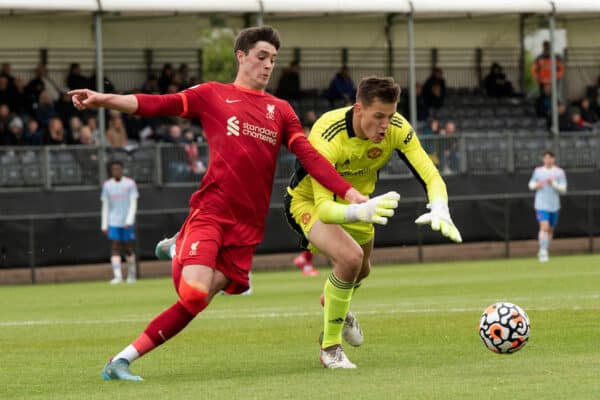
220	316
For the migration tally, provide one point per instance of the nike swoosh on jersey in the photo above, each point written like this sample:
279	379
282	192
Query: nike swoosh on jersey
228	101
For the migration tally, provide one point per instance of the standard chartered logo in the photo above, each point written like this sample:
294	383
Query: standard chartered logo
258	132
233	126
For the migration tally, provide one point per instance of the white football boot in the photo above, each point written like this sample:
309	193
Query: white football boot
543	256
334	357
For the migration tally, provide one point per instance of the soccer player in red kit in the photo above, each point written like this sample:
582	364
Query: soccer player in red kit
245	128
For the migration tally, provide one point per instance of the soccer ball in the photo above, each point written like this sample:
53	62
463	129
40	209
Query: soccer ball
504	328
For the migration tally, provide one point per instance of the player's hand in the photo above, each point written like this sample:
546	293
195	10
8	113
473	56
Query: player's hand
375	211
439	220
354	196
84	99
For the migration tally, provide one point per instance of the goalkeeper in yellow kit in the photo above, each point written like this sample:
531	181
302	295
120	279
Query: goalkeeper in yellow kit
358	140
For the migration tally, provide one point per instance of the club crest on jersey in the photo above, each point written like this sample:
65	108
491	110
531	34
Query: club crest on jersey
270	111
194	248
305	218
374	152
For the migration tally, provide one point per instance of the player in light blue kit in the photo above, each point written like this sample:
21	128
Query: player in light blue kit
119	205
549	182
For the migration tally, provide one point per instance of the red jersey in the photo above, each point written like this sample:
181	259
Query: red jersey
244	129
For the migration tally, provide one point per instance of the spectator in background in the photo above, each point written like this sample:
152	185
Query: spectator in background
184	75
496	84
116	135
75	79
308	120
588	114
40	83
6	93
45	110
33	135
449	149
289	82
19	101
542	70
151	85
4	118
166	77
404	105
56	134
86	136
75	125
174	135
108	85
576	123
64	108
5	71
13	136
342	87
563	118
543	103
434	90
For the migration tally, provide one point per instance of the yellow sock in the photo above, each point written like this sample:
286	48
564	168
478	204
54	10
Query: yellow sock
337	301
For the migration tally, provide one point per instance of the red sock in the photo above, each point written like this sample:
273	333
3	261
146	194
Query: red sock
307	256
166	325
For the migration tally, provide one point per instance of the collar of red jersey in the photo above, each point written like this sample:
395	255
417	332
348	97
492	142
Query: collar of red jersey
251	91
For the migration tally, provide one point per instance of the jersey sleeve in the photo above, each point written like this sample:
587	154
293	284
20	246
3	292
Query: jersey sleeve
196	100
104	193
292	128
409	149
533	180
133	192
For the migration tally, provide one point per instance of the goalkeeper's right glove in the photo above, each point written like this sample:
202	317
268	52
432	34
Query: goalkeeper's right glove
375	211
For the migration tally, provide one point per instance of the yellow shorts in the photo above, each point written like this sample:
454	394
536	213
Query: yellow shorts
301	216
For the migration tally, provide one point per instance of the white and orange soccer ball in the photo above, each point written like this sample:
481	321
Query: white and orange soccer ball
504	328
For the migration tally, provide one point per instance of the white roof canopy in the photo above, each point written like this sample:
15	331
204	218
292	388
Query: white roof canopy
426	7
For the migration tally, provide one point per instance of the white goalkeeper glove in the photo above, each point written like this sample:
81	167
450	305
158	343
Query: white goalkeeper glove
439	219
375	211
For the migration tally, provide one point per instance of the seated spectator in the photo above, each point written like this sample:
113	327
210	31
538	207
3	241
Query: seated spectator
434	90
563	118
33	135
86	136
45	109
289	82
56	134
430	146
13	136
342	87
5	71
116	136
576	123
404	105
166	78
496	84
4	118
174	135
308	120
151	85
75	79
588	114
6	93
449	149
19	102
75	125
108	85
183	73
42	82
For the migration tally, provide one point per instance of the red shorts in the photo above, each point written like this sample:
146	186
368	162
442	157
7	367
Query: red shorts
216	243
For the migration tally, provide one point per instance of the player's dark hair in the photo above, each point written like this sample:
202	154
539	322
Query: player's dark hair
550	153
383	88
113	162
248	37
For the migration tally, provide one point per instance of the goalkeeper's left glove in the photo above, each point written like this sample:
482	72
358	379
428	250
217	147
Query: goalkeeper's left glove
439	219
375	211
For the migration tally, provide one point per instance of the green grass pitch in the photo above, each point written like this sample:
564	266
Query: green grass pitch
420	325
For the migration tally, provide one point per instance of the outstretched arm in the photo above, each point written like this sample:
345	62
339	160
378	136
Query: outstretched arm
84	99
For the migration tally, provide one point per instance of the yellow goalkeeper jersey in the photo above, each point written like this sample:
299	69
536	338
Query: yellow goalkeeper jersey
359	161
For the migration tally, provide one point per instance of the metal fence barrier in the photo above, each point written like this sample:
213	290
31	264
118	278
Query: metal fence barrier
55	167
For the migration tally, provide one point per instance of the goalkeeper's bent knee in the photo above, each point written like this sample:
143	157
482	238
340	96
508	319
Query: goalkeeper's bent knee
193	299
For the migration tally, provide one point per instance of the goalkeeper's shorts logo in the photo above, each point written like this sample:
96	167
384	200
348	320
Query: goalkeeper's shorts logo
305	218
374	152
